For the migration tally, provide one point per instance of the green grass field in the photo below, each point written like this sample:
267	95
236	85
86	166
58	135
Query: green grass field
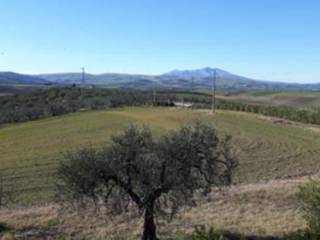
29	152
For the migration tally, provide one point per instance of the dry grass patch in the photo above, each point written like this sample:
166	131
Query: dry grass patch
254	209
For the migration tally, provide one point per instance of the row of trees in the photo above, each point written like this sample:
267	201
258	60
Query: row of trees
58	101
304	116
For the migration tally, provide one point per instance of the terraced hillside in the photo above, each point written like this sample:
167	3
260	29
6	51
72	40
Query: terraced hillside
29	152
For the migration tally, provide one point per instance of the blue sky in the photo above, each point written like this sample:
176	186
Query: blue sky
264	39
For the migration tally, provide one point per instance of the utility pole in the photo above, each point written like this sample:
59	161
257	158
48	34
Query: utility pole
213	104
192	87
154	94
83	75
192	84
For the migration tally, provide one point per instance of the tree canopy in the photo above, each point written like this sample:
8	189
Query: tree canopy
156	175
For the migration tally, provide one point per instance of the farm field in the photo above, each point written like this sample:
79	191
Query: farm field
266	150
294	99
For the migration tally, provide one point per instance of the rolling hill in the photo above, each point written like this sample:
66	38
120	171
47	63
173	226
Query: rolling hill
13	83
273	160
176	79
266	150
202	78
302	100
96	79
16	78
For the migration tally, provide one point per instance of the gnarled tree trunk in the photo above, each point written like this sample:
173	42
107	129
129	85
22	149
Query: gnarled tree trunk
149	228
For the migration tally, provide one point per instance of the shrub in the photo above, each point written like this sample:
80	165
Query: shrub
309	197
202	233
4	227
302	235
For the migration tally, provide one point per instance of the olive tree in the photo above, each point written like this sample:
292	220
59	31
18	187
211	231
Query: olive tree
155	175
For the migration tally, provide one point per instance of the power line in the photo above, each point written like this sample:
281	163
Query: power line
154	94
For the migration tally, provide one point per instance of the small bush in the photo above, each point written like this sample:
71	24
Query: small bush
309	197
302	235
4	227
202	233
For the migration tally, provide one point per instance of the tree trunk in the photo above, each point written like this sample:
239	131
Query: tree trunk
149	228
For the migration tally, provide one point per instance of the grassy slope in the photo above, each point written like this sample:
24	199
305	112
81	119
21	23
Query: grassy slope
30	151
301	100
252	209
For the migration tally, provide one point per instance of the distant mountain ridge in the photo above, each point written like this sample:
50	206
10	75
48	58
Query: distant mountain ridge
176	79
202	78
206	72
95	79
17	78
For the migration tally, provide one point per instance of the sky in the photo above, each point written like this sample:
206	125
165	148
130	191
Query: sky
277	40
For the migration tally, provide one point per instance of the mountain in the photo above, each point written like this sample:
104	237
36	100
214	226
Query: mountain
203	78
16	78
201	74
105	79
176	79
